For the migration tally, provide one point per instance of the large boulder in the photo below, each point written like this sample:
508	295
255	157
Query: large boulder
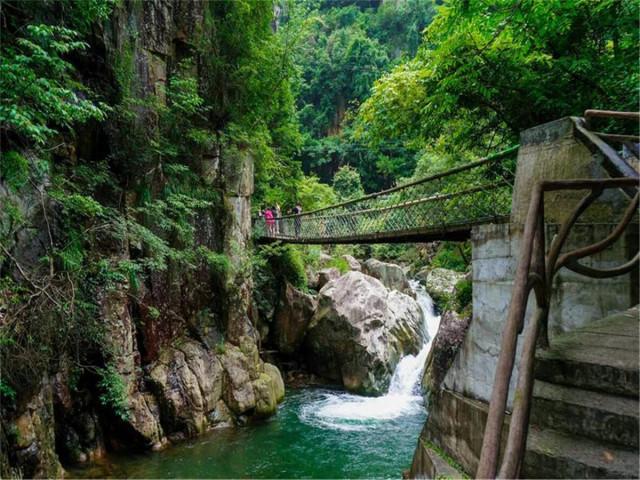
326	275
440	283
391	275
360	331
199	389
250	386
292	318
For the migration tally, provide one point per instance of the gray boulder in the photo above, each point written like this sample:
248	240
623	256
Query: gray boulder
360	331
198	389
391	275
187	380
440	283
324	259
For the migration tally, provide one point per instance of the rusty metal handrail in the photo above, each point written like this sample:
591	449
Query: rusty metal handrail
536	272
592	113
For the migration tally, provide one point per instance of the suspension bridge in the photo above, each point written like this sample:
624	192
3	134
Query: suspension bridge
442	206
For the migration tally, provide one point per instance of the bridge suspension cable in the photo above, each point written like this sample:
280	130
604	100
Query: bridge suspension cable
441	206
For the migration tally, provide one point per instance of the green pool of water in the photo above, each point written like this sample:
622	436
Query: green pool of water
316	434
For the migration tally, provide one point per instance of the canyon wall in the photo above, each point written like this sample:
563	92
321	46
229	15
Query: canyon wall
179	345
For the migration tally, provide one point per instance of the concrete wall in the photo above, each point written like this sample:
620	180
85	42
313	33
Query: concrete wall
552	152
576	299
457	412
548	151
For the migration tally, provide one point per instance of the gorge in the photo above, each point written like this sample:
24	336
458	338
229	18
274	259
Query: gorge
318	238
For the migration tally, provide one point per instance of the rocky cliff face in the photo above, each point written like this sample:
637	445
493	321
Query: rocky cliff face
181	343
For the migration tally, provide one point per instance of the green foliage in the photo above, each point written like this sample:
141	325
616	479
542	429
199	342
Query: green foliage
38	95
487	70
14	169
245	71
339	263
340	50
113	391
11	219
221	347
272	266
218	262
313	195
463	294
77	205
453	256
6	391
285	262
347	184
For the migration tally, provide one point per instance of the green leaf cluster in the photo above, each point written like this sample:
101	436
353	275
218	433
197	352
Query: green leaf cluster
487	70
113	393
347	183
39	96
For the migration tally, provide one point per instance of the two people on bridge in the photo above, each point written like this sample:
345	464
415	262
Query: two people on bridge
274	223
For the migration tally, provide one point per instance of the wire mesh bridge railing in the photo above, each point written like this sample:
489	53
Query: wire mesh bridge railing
443	206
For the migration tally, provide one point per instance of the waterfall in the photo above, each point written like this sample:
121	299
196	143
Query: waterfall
345	411
406	378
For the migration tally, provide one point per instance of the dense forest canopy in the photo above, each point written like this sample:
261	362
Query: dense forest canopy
342	48
487	70
397	89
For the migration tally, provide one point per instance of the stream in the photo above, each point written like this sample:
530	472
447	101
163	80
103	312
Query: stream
317	433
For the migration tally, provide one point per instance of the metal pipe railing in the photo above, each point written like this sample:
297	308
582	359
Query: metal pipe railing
536	271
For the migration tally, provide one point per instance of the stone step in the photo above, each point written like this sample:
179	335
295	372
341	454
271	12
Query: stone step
600	416
431	462
601	356
551	454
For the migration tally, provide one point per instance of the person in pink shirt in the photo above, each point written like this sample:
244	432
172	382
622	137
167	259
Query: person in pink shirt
270	221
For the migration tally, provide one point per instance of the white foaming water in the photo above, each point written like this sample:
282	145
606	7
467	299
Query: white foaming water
344	411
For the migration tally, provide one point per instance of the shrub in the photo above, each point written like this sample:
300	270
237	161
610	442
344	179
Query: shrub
339	263
453	256
463	294
14	169
113	391
287	264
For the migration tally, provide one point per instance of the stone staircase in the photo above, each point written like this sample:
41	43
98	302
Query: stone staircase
585	411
